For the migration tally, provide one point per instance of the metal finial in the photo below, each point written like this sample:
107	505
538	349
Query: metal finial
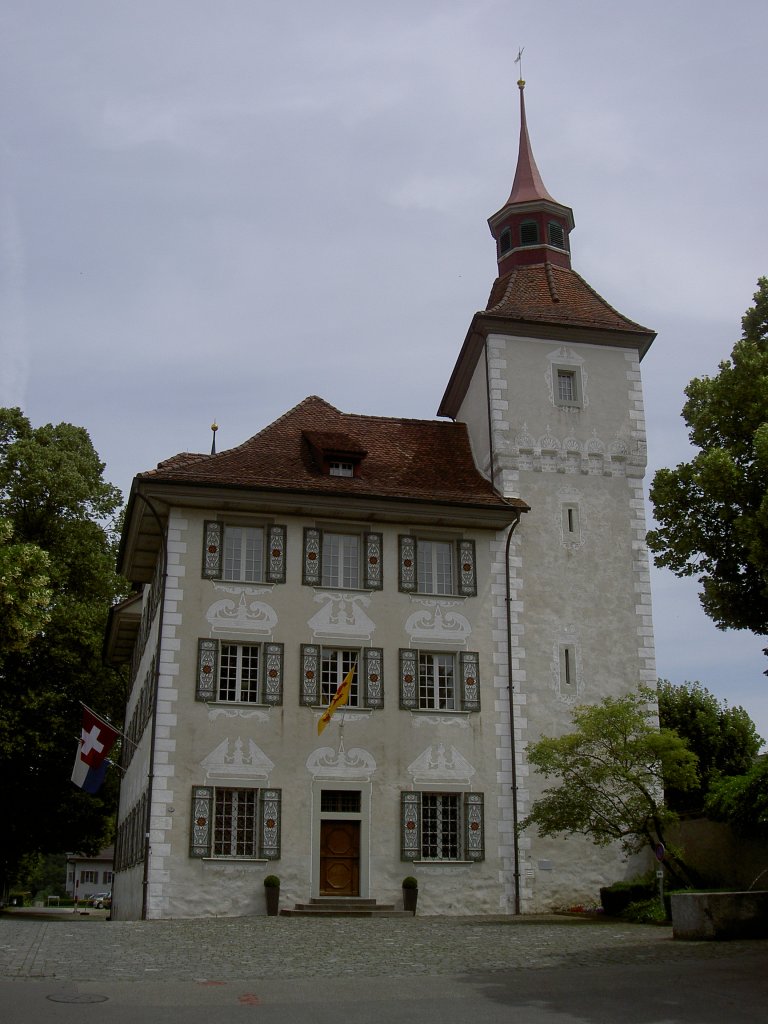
214	428
519	60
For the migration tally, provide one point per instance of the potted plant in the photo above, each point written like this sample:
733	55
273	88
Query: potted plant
272	894
410	893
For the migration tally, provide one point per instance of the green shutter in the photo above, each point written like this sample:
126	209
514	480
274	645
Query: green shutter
407	564
373	693
469	662
313	550
272	688
269	846
212	542
410	826
309	684
409	678
207	669
474	827
467	573
275	559
372	570
200	831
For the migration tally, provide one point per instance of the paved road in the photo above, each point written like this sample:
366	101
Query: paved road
430	970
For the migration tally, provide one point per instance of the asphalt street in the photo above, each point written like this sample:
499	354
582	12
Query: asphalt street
542	970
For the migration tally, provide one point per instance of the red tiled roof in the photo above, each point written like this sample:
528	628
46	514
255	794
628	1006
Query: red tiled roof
545	293
549	294
423	460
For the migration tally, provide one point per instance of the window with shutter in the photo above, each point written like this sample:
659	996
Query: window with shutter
444	567
442	826
324	669
243	554
234	823
342	561
239	673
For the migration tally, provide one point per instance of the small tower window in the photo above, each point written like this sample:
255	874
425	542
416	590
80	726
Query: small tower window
529	233
505	241
556	235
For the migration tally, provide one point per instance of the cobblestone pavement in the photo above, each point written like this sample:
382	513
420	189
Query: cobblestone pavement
78	948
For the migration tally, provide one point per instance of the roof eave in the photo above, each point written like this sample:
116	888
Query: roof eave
152	499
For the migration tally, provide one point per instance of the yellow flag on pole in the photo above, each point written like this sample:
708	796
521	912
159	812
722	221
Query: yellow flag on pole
340	697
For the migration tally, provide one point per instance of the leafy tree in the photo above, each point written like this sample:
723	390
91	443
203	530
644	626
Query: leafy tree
713	511
742	800
24	591
611	772
58	507
724	739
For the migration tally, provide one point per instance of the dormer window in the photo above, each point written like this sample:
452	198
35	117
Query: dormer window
556	234
529	233
505	241
334	453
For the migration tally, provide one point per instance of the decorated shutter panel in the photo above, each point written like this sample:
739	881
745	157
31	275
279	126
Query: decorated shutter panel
470	680
200	830
313	546
212	544
207	669
407	564
373	660
372	570
269	846
273	674
409	678
276	554
309	686
474	827
410	826
467	574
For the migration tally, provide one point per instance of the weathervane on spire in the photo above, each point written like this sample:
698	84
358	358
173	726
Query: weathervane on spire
519	60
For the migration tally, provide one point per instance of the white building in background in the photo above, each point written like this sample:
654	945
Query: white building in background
404	548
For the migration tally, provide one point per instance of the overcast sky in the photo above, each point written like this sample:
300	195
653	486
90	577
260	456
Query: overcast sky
212	210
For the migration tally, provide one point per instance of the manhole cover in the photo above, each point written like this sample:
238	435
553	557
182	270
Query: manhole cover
77	997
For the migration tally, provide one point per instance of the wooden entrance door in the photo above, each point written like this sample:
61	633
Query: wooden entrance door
339	858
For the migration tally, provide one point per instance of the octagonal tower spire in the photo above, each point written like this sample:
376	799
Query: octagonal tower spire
531	227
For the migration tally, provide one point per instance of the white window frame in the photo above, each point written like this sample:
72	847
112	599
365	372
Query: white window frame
335	663
573	374
437	692
240	683
435	566
441	826
235	822
237	569
341	564
340	467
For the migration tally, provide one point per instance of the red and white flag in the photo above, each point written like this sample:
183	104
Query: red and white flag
96	740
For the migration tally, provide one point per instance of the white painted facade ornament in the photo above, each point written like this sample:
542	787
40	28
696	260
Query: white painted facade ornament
438	623
241	615
438	765
342	616
327	763
234	762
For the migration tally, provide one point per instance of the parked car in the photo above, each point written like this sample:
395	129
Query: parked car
101	900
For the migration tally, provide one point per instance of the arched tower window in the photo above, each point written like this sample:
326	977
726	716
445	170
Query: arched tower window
505	241
529	233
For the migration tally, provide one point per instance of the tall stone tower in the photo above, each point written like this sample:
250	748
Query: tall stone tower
548	383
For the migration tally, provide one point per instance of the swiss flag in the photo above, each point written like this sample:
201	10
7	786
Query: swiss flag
96	740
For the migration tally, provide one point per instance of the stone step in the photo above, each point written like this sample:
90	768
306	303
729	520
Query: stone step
343	907
306	911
